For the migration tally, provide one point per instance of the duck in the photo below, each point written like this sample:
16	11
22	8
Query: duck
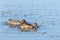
28	27
13	23
23	25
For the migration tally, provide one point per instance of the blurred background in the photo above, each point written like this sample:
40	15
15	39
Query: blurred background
45	12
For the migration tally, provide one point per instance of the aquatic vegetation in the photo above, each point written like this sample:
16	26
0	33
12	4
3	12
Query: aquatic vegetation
53	23
6	12
25	15
43	32
16	15
2	14
54	36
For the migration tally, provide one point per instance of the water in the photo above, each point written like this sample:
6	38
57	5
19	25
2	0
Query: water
45	13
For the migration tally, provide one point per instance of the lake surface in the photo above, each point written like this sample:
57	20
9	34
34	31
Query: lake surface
45	12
